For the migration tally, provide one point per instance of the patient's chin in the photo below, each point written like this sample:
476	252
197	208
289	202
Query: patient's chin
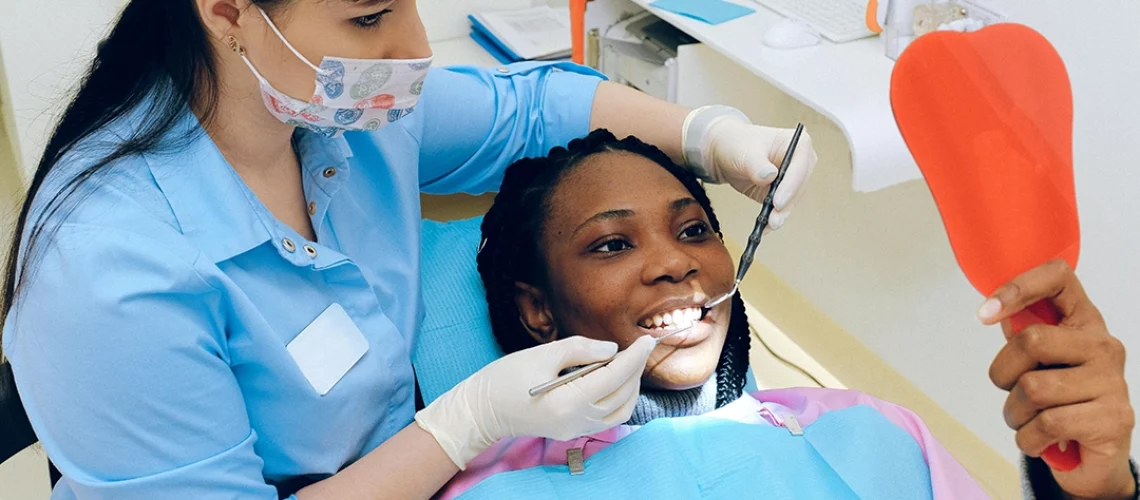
674	369
678	374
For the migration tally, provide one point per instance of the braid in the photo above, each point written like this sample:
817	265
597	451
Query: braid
512	229
510	248
732	370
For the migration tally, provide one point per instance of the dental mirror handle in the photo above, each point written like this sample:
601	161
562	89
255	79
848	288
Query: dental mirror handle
766	209
569	377
587	369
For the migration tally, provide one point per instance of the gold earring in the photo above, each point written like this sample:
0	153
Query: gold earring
235	45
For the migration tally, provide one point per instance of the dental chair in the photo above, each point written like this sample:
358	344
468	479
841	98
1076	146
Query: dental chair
16	432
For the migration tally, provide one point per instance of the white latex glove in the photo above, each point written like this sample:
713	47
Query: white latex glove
722	146
494	403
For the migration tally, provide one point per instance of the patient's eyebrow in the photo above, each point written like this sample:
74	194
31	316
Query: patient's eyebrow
622	213
368	3
681	204
625	213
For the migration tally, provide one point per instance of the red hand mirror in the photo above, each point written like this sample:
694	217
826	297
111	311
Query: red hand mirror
988	117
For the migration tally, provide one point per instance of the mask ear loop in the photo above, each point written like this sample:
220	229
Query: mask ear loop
289	45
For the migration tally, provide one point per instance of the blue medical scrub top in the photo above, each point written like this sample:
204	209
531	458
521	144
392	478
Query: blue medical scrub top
149	346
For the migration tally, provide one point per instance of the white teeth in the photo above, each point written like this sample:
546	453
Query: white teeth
678	318
682	318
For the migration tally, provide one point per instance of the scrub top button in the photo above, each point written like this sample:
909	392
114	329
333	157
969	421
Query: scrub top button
311	251
312	208
288	244
329	172
503	69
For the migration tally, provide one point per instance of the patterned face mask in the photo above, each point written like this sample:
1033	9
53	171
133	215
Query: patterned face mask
351	94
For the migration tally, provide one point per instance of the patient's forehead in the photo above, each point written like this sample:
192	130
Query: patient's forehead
613	180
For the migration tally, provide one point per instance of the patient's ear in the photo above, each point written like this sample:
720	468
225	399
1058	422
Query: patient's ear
534	313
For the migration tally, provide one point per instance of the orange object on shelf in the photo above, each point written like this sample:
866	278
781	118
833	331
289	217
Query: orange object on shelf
578	31
873	16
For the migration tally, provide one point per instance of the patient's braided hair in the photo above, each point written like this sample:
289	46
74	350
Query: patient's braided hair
513	226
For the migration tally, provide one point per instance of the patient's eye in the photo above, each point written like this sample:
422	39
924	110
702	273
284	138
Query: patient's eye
611	246
698	229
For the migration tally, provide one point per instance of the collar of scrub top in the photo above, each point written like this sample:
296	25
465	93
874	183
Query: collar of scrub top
214	208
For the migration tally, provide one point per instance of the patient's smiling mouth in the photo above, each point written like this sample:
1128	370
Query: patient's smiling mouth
674	319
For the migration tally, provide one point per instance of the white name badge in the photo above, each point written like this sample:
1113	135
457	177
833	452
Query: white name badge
327	348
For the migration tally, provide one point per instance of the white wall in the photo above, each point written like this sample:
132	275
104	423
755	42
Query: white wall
880	265
47	45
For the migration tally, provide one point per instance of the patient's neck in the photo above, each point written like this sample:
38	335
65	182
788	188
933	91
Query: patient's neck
654	403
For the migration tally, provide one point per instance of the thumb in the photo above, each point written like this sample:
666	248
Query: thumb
578	350
754	161
740	151
632	360
761	171
1054	281
629	363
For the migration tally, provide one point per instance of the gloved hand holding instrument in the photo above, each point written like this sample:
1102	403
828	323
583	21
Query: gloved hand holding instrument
493	403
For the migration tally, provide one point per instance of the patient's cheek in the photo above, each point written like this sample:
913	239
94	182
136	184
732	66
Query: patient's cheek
583	325
587	312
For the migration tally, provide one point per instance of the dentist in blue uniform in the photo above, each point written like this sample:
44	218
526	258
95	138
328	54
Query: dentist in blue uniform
214	287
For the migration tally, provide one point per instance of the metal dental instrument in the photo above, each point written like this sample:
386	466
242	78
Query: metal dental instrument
588	369
761	223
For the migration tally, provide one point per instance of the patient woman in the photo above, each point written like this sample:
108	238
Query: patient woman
609	239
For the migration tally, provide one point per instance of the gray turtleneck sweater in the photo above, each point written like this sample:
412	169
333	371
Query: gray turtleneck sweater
653	404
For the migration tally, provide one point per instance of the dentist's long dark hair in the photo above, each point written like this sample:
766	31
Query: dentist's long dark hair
157	59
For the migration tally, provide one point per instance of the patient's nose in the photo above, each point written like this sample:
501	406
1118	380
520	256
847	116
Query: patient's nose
670	263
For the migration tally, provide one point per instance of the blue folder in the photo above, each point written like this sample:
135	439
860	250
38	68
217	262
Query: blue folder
491	43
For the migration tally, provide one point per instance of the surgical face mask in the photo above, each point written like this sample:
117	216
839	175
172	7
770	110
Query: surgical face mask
350	94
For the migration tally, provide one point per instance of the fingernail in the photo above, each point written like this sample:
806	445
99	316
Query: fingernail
766	176
783	196
1063	445
989	309
775	221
